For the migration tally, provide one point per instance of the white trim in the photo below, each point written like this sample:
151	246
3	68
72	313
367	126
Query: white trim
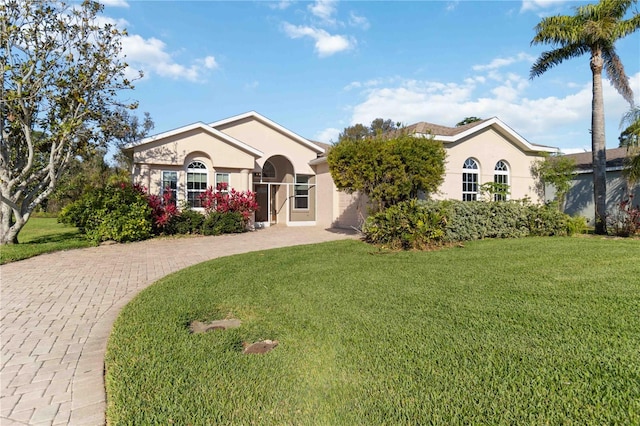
265	120
302	223
215	132
495	121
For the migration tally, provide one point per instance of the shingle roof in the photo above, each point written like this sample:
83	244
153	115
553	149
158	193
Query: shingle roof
615	158
436	129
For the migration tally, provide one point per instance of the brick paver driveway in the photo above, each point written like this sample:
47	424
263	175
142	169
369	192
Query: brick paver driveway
56	312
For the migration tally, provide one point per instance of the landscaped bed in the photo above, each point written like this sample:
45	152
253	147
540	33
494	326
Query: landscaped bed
526	331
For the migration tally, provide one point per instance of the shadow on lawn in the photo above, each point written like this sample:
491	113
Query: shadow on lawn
60	237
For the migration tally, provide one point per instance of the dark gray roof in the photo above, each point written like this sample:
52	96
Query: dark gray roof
615	158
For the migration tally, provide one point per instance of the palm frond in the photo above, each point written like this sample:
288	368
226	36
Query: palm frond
550	59
558	30
616	74
624	28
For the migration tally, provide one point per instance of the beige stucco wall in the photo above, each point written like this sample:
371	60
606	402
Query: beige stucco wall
487	148
271	142
325	191
176	152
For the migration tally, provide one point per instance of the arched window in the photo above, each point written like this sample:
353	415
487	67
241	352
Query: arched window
501	178
196	182
268	170
470	172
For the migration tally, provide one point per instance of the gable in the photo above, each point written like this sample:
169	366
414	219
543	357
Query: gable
173	148
271	139
488	147
449	135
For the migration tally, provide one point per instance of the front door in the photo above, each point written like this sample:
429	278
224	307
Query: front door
262	198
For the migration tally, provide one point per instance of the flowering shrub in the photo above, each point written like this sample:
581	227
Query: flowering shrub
625	220
233	201
163	210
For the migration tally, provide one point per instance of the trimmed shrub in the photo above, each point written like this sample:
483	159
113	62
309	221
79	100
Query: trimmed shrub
407	225
223	223
417	224
187	222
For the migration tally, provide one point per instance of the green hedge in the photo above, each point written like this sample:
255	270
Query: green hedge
418	224
123	213
116	212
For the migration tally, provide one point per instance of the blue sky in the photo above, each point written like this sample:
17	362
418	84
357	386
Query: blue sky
316	67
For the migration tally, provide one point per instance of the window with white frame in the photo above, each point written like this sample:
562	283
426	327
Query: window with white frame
268	170
170	184
197	177
501	177
470	173
301	192
222	182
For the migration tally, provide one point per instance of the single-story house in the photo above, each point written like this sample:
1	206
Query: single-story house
580	201
290	174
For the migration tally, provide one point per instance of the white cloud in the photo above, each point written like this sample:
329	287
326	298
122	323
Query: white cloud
279	5
452	5
102	20
323	9
328	135
547	120
358	21
540	4
209	63
360	84
150	56
503	62
115	3
325	43
252	85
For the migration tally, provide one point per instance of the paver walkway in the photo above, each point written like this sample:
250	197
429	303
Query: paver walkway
56	313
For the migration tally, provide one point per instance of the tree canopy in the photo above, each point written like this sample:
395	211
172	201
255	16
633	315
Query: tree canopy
360	131
557	171
388	170
468	120
62	75
593	29
630	136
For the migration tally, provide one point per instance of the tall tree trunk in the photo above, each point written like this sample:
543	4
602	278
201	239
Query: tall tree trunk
8	227
598	145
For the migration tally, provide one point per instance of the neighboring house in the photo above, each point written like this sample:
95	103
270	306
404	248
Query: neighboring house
290	174
579	200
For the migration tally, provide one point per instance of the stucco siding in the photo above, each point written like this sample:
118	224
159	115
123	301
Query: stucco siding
325	191
178	148
487	148
271	142
580	201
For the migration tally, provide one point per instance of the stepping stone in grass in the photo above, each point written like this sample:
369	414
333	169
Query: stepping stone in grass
204	327
260	347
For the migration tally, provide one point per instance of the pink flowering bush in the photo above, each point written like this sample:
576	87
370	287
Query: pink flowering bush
229	201
163	210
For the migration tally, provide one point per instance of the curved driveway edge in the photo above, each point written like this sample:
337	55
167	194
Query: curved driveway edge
57	310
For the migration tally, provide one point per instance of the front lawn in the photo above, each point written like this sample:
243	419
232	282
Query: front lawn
42	235
526	331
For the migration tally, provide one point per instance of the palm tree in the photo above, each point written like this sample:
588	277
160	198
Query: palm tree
593	29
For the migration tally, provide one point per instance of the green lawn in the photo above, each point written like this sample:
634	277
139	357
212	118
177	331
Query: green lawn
528	331
42	235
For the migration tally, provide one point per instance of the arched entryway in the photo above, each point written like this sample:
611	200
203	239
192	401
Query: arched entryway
271	185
